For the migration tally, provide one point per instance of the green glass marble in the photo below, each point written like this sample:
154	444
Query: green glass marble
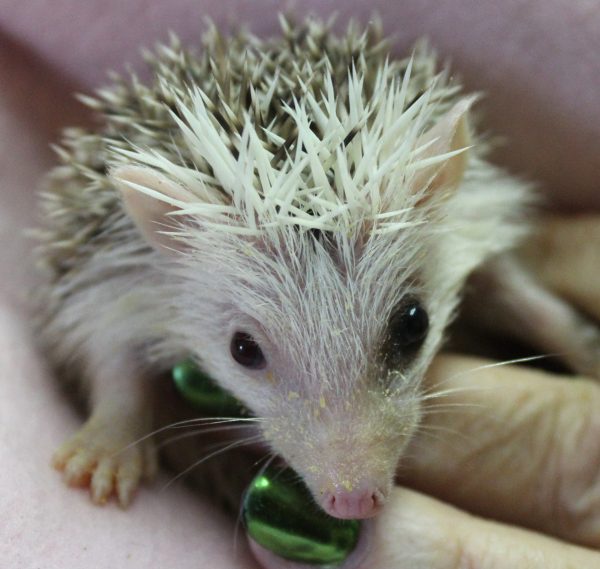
199	390
281	515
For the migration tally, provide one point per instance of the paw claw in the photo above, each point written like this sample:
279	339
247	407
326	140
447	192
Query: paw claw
98	457
128	478
125	492
62	454
78	468
102	483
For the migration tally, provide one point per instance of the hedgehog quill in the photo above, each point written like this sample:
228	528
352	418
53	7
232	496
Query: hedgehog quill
298	215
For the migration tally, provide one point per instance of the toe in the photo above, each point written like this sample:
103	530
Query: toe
61	456
103	480
128	477
100	455
78	468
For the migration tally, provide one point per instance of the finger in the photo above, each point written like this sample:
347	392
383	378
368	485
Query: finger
418	532
512	443
549	253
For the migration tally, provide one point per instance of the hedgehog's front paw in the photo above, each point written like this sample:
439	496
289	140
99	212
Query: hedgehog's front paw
99	456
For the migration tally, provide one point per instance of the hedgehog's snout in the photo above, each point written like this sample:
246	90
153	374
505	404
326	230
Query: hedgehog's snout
365	501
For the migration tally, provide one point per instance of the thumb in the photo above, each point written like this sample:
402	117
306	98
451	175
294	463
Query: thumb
418	532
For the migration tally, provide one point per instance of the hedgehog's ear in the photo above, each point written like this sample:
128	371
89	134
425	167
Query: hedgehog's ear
148	198
450	135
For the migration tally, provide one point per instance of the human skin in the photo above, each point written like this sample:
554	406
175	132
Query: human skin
525	432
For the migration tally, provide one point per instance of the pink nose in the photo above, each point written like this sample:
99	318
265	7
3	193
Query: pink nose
354	505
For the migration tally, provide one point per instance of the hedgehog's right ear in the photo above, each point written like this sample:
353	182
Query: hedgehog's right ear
450	136
148	198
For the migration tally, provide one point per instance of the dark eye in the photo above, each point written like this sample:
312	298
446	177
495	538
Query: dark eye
246	352
408	327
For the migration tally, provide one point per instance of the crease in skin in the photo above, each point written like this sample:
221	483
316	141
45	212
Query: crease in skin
577	491
549	253
500	429
422	539
490	551
528	438
422	533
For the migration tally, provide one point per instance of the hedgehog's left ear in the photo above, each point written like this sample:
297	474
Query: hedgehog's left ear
450	136
148	198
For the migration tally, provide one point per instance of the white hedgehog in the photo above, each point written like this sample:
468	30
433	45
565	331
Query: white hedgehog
298	215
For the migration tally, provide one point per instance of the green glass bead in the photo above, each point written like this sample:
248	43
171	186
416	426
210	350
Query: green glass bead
281	515
200	391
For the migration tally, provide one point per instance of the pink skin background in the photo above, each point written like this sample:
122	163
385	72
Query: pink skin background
536	60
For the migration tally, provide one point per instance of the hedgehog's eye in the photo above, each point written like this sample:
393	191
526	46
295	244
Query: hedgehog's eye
246	352
408	327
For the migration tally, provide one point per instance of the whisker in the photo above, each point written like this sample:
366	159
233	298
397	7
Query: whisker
502	363
427	394
417	441
205	424
190	423
449	406
220	420
517	361
282	468
230	446
219	444
446	412
420	442
270	457
197	432
446	430
450	391
436	405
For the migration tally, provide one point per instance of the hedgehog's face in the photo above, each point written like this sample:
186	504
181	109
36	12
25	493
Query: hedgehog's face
324	335
328	355
343	416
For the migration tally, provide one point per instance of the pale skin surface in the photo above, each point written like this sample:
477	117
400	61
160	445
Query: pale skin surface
530	454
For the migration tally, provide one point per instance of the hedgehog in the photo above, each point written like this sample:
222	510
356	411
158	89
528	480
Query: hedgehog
299	216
